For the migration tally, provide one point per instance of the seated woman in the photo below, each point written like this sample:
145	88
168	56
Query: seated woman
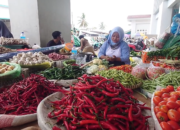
85	46
115	50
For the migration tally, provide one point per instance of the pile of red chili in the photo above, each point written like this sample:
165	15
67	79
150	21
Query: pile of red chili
97	103
23	97
125	68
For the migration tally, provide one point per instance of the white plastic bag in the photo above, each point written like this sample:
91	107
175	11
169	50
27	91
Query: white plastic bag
154	72
139	71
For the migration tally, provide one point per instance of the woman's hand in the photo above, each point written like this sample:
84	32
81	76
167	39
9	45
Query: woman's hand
112	59
106	58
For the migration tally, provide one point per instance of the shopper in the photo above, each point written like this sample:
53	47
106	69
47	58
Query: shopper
115	50
85	46
4	31
58	40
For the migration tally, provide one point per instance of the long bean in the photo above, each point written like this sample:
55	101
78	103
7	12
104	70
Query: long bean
126	79
172	78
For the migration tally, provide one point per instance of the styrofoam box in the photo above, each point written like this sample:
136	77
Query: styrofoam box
157	125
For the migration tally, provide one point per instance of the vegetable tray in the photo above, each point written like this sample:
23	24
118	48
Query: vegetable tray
44	108
157	125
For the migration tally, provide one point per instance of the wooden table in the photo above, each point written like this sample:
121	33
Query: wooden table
34	124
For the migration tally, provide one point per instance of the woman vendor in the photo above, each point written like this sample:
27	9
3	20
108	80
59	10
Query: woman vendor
115	50
85	46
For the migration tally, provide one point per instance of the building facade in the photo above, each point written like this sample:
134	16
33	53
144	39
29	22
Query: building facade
162	14
139	24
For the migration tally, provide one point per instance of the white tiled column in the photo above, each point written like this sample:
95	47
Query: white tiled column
164	18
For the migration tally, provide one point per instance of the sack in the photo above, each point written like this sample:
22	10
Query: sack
14	120
154	72
162	40
139	71
65	83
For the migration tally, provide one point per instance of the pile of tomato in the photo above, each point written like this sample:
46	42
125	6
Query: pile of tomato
163	65
167	107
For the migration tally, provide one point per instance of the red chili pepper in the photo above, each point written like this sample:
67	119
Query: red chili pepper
118	99
91	103
105	112
117	116
110	94
130	113
66	124
138	113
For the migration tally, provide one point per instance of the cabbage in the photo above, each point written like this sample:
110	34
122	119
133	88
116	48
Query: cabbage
93	69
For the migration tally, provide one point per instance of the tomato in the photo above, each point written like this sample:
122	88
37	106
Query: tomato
178	102
163	108
178	89
173	115
178	110
178	92
156	109
164	90
157	100
177	97
157	64
161	116
174	125
158	93
172	99
174	93
170	88
165	99
165	126
165	95
162	103
172	105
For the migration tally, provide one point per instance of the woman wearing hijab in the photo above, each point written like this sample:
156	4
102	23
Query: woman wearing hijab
115	50
4	32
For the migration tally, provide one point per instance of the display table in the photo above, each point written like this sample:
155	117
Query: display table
35	125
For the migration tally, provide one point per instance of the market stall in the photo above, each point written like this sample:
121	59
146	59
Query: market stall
63	90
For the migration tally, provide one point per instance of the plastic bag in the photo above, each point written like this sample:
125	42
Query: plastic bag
13	73
139	71
175	27
162	40
154	72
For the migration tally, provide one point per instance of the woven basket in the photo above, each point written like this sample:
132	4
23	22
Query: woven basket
134	86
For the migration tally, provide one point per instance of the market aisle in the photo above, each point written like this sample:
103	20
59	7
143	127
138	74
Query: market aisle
137	95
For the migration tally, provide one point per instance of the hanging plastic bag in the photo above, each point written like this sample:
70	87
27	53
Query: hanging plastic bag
162	40
154	72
